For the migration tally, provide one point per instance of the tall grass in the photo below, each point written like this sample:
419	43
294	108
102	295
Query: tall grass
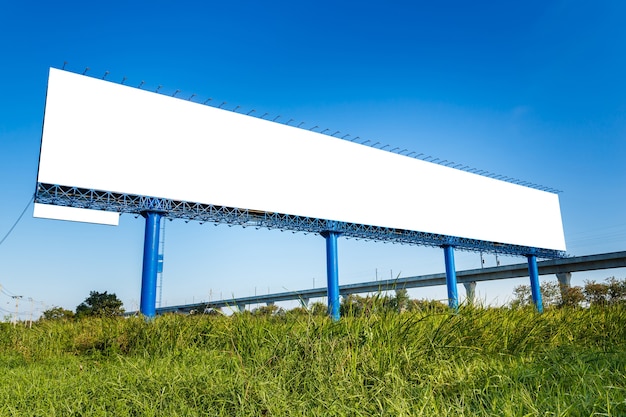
479	362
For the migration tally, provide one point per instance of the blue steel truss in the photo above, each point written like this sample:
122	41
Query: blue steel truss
208	213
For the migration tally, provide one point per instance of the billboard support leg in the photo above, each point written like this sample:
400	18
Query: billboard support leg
150	263
533	272
453	297
332	273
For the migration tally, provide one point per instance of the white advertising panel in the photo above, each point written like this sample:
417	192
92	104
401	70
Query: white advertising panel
105	136
46	211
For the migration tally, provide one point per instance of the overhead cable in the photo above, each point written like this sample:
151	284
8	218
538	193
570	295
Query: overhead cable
18	220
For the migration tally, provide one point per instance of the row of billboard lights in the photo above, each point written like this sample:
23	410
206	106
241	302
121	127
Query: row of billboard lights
377	145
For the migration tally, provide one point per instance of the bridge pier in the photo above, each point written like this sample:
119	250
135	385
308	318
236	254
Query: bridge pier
453	296
533	272
147	305
332	273
470	291
565	282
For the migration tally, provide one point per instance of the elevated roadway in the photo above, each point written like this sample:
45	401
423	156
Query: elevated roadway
561	267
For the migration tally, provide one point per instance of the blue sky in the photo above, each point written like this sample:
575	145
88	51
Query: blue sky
534	91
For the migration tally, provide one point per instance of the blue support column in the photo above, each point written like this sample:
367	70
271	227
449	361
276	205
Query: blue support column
150	264
453	296
533	272
332	273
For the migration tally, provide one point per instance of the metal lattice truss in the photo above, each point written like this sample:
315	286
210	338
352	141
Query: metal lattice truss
207	213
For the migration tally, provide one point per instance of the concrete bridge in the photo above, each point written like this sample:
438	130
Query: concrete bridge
562	268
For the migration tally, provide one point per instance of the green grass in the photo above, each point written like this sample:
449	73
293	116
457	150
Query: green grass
479	362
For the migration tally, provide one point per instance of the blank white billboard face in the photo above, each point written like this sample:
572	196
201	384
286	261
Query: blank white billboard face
105	136
75	214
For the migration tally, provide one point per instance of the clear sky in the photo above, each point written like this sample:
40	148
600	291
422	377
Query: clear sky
534	91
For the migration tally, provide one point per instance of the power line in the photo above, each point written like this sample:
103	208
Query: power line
12	295
18	220
6	292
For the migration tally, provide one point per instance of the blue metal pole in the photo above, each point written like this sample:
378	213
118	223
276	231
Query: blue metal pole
332	273
533	272
453	297
150	264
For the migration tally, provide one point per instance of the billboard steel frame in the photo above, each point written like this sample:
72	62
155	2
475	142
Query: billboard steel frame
69	196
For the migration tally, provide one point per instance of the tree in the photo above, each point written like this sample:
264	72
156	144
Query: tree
617	290
381	303
550	295
57	313
268	310
611	292
354	305
318	309
522	296
298	312
428	306
596	293
100	305
572	297
402	300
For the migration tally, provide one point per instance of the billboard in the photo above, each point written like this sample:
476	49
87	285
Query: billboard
75	214
110	137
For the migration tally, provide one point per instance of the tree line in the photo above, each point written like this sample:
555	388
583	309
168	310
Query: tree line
98	304
356	305
611	291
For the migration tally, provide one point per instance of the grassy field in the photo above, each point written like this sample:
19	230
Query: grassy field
479	362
